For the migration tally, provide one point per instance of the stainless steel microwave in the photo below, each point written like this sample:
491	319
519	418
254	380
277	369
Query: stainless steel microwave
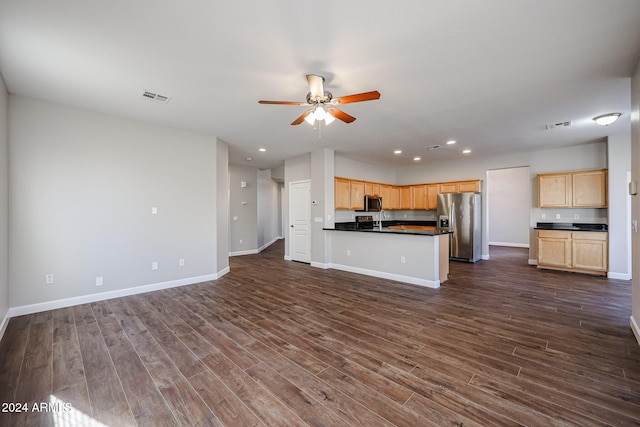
372	203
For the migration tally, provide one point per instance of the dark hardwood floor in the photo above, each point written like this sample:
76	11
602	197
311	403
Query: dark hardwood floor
280	343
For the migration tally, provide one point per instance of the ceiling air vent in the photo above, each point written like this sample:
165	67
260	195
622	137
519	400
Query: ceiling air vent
559	124
155	97
432	147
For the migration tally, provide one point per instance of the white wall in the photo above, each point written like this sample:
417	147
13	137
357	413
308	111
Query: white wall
221	220
269	213
509	202
4	205
635	200
353	169
619	165
82	186
243	209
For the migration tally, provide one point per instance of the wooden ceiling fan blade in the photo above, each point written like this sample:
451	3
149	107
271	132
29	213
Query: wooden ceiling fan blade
316	86
359	97
341	115
301	118
282	102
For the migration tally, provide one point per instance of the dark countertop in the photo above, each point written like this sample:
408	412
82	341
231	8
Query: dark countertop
351	226
571	226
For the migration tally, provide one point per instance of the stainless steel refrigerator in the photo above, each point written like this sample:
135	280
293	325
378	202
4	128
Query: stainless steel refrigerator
462	214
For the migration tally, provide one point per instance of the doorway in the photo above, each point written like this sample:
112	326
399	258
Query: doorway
300	221
509	206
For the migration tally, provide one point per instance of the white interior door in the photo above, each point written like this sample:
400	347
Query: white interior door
300	221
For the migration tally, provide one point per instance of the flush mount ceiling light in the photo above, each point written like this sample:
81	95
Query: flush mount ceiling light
451	142
606	119
397	152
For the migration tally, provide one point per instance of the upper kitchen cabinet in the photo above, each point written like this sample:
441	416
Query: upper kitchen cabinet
357	195
418	197
390	196
406	197
579	189
432	197
342	191
349	194
460	187
371	188
589	189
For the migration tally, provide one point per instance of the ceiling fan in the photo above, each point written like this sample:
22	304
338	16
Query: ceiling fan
323	104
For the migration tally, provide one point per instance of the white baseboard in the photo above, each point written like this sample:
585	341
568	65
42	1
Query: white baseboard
287	258
321	265
533	262
635	329
485	257
247	252
390	276
3	325
255	251
511	245
84	299
619	276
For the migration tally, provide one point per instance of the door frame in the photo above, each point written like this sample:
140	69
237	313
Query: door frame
290	222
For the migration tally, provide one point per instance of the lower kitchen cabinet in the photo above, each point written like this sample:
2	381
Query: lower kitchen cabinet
580	251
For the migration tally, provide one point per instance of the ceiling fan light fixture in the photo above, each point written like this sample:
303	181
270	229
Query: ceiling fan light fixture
606	119
311	118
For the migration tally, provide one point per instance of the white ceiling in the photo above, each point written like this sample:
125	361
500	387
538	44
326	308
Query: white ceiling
489	74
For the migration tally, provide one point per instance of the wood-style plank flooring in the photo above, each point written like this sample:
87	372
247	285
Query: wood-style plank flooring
277	343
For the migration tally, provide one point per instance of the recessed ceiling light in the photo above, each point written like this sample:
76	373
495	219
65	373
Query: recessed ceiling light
248	159
262	149
416	158
451	142
467	151
397	152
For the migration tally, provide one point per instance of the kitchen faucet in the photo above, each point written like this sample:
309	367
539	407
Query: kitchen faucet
380	220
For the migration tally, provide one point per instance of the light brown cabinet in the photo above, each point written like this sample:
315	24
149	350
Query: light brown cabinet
589	189
581	251
390	196
578	189
357	195
432	196
342	193
349	194
460	187
406	198
371	188
418	197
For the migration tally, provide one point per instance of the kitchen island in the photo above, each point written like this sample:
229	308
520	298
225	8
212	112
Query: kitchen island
418	255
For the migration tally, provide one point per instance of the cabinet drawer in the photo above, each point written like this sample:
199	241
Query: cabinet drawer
588	235
554	234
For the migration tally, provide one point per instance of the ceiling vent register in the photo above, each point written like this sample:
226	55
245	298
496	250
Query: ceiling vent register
559	125
155	97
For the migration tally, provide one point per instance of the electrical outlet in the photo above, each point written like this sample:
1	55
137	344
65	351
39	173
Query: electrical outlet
99	281
543	216
240	241
154	210
181	262
402	260
557	216
154	265
48	279
348	252
576	216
